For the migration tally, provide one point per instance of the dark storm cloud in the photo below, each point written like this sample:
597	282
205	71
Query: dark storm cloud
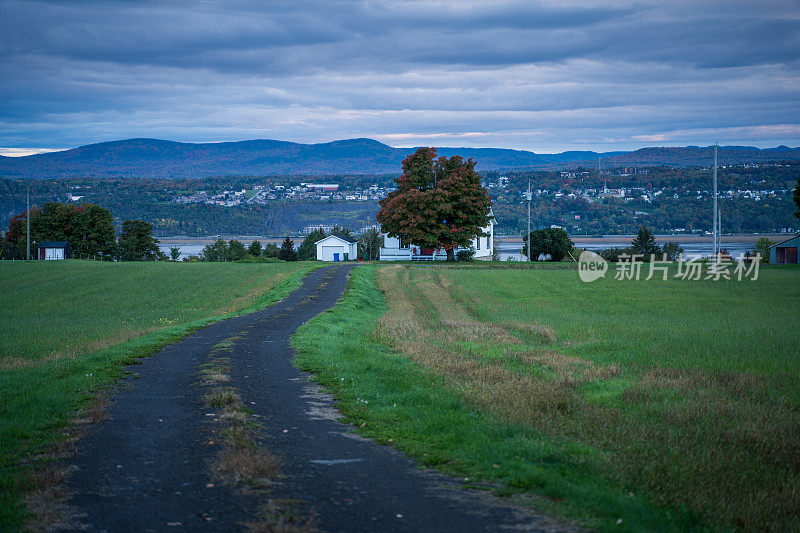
537	74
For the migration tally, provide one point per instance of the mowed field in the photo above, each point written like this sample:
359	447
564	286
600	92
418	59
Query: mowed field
628	405
67	328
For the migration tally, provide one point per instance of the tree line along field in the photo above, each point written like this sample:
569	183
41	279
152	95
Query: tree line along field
69	327
628	405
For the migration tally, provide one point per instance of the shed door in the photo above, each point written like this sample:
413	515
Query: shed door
54	253
328	251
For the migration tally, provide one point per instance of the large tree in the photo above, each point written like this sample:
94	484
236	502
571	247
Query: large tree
15	241
438	203
88	228
644	244
136	242
287	251
308	248
554	242
270	250
797	198
236	251
369	244
254	249
215	252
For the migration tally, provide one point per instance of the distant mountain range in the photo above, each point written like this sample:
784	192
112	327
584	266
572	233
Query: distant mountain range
153	158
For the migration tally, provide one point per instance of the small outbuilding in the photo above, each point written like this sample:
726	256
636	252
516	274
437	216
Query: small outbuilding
785	252
337	247
51	250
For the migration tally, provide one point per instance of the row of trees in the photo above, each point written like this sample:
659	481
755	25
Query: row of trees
233	250
89	230
644	245
555	244
368	248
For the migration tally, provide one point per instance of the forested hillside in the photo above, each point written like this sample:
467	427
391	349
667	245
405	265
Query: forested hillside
753	198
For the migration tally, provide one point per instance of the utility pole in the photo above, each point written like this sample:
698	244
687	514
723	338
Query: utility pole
28	224
716	215
528	197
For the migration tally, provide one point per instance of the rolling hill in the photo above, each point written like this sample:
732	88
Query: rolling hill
153	158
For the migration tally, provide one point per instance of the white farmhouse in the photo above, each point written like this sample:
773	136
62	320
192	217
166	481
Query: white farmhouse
395	250
337	247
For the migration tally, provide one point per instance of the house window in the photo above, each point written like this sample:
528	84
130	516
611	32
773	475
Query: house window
479	242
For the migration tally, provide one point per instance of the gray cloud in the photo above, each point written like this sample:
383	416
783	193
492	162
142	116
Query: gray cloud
529	75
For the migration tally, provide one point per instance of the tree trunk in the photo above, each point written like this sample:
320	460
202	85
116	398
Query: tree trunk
451	254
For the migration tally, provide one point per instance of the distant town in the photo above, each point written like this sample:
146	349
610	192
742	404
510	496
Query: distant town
262	194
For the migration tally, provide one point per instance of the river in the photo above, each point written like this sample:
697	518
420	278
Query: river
511	247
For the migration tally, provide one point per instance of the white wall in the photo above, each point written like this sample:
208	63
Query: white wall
391	246
327	247
327	252
53	253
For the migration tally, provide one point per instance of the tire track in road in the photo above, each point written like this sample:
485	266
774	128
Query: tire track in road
148	468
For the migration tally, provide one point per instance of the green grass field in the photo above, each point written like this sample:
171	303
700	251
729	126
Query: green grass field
69	327
650	405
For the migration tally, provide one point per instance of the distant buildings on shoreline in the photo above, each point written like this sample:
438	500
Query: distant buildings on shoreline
262	194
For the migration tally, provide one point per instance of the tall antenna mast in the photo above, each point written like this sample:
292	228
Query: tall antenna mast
528	197
28	224
716	215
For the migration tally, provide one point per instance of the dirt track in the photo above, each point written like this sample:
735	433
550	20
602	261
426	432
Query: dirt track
147	468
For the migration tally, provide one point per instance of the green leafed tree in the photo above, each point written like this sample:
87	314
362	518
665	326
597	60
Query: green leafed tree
254	249
308	248
762	248
15	239
217	251
271	250
672	251
88	228
797	198
174	253
136	242
438	203
645	244
287	251
553	242
236	251
369	244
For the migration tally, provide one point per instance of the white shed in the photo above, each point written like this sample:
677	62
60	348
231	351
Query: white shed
337	247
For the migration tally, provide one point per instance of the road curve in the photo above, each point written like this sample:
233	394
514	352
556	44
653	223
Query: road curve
146	468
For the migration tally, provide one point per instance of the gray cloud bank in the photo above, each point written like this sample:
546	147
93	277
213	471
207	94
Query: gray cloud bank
538	76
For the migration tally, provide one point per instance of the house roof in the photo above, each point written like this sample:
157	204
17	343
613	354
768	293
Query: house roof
53	244
784	242
339	236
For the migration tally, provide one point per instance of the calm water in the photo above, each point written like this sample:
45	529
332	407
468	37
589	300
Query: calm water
186	249
691	250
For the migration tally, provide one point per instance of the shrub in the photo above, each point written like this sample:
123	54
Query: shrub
465	255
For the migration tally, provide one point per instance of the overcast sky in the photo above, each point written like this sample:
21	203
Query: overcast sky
540	76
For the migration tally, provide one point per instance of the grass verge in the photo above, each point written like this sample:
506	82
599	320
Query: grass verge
70	327
507	377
